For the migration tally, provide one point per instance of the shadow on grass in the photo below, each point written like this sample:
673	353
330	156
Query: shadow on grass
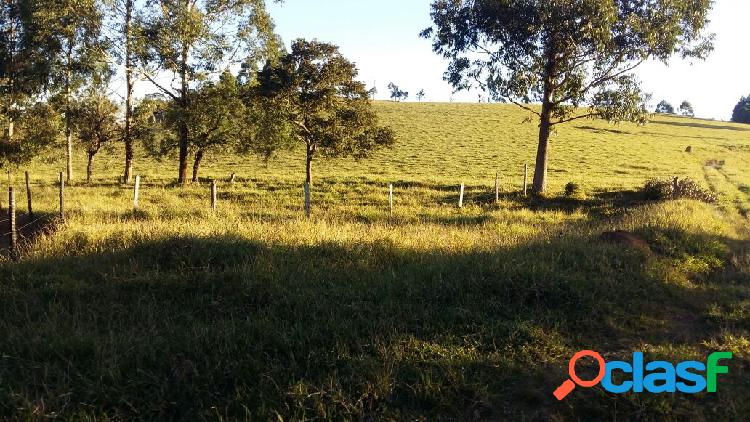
191	328
701	125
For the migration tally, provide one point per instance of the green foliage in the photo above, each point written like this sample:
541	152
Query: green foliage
687	188
686	109
564	54
328	110
95	122
396	93
36	130
741	113
664	107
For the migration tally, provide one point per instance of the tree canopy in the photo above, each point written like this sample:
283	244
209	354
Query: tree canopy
664	107
686	109
314	89
741	113
564	54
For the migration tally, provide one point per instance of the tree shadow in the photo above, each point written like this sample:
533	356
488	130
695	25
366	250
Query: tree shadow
603	130
190	327
701	125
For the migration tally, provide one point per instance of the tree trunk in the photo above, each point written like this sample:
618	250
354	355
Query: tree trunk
183	129
545	126
90	168
308	178
197	164
128	94
68	120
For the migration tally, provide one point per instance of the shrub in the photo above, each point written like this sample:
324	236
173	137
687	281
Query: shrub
573	190
655	189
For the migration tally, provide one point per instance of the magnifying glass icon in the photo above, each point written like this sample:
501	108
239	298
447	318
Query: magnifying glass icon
569	385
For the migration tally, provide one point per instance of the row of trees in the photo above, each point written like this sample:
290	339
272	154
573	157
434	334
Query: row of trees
57	60
685	109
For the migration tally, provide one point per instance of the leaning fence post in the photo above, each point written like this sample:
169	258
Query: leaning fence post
136	191
62	197
307	199
213	195
497	187
28	197
12	218
390	198
525	179
461	197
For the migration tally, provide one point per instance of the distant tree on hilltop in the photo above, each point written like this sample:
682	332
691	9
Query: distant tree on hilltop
741	112
665	108
564	54
396	93
420	95
686	109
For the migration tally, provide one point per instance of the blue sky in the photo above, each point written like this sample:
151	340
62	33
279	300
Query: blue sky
382	38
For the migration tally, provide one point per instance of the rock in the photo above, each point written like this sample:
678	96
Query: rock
689	149
627	239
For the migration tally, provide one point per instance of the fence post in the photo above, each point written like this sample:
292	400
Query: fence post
525	179
497	187
136	191
461	197
390	198
28	197
232	178
12	218
307	200
213	195
62	197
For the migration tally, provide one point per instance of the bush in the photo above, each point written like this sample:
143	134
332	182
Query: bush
573	190
686	188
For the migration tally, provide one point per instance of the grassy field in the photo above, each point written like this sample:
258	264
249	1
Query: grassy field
176	312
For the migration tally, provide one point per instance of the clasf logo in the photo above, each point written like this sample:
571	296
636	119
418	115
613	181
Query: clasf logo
654	377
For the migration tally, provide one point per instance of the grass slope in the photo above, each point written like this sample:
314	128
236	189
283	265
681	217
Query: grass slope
176	312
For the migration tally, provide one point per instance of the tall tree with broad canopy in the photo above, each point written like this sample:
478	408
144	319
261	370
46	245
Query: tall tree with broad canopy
216	118
315	92
564	54
192	39
68	33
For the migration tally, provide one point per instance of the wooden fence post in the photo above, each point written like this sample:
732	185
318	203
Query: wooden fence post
213	195
497	187
28	198
390	198
12	218
62	197
525	179
461	197
307	200
136	191
232	178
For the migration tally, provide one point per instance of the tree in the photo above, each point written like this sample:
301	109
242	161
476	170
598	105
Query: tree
192	38
741	112
420	95
564	54
396	93
664	108
686	109
68	34
216	118
36	131
315	90
94	119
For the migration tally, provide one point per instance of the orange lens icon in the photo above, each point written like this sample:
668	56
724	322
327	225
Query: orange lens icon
569	385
